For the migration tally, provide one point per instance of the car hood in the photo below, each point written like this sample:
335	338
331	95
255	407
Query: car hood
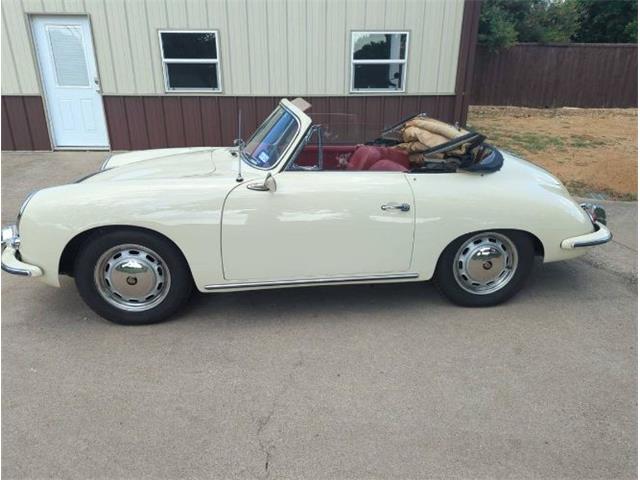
169	163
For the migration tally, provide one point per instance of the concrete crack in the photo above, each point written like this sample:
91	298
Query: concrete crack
267	449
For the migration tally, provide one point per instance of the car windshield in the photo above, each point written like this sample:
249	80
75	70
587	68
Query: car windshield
270	141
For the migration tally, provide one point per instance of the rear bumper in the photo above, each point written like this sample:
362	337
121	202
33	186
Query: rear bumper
601	235
12	264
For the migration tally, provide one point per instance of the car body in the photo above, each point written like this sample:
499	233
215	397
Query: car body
249	217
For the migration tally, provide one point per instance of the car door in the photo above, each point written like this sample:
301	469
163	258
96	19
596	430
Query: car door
319	225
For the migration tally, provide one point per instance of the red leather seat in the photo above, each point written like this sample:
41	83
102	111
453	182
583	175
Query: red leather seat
396	155
363	158
386	165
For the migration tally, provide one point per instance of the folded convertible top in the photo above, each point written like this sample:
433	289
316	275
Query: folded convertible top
429	141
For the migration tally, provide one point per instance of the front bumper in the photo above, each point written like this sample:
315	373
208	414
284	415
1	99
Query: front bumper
11	261
601	235
12	264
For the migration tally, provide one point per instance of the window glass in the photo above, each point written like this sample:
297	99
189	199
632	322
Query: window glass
378	76
192	75
189	45
379	46
266	146
190	61
378	62
68	56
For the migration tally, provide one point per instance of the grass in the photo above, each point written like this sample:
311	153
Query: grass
520	142
580	189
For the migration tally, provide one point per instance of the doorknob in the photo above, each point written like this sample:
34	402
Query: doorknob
403	207
97	83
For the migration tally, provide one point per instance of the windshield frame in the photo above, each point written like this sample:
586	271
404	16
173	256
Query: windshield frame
246	156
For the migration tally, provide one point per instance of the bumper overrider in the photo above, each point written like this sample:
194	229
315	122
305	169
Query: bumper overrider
600	235
11	261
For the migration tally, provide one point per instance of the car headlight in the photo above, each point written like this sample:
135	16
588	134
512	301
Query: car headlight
595	212
10	236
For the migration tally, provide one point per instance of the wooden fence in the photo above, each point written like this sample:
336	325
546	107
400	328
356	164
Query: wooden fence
557	75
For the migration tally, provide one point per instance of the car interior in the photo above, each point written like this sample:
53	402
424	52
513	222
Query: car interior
418	144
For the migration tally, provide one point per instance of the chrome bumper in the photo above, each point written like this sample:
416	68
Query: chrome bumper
11	262
601	235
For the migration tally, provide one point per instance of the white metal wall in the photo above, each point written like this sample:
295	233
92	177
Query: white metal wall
267	47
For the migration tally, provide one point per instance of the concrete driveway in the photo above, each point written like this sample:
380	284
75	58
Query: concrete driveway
386	381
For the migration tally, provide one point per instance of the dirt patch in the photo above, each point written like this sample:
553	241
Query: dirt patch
593	151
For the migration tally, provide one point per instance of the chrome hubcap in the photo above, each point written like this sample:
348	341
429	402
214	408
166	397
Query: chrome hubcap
485	263
132	277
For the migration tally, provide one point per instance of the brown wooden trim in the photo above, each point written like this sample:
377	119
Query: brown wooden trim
466	58
24	124
178	121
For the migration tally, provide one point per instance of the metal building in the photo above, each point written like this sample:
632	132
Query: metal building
116	74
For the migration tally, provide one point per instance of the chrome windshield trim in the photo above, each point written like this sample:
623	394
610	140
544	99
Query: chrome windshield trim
313	281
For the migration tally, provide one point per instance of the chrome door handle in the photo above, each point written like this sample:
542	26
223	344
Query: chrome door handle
259	187
403	207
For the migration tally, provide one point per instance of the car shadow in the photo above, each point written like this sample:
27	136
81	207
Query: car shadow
564	281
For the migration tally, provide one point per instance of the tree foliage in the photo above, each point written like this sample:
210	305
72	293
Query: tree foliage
506	22
611	21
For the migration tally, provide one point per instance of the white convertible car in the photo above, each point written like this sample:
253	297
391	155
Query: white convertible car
424	200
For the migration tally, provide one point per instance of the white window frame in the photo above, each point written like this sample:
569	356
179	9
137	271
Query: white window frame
379	62
166	61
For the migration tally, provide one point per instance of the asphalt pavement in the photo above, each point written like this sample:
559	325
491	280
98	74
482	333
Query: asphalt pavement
384	381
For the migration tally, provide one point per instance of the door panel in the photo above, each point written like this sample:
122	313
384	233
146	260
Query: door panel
70	80
318	224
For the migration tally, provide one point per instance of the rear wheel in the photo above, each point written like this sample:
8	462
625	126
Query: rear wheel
485	268
132	277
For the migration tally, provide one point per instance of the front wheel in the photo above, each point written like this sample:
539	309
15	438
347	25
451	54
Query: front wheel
132	277
486	268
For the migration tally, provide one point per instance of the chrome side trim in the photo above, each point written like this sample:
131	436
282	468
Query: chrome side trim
312	281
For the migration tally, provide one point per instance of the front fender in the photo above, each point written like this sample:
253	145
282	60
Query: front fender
187	213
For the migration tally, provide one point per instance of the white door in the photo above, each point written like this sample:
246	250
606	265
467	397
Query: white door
70	78
319	225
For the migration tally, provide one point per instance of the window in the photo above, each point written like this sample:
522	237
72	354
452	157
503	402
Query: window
378	61
190	60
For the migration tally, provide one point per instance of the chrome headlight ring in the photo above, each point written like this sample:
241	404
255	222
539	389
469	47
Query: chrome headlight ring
23	207
596	212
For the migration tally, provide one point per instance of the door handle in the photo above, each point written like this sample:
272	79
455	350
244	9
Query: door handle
259	187
403	207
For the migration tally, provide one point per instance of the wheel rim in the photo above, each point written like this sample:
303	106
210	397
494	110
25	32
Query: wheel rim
132	277
485	263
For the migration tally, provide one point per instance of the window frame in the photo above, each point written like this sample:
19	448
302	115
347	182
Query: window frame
354	62
208	61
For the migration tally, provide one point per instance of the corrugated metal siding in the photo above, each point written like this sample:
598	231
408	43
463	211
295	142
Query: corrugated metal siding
568	75
23	124
274	48
171	121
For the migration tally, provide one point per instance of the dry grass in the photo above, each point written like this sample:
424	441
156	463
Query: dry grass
590	150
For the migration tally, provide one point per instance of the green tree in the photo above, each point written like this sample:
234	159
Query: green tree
610	21
498	22
505	22
550	21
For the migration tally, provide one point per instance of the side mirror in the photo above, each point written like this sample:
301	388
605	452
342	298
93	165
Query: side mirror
268	185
